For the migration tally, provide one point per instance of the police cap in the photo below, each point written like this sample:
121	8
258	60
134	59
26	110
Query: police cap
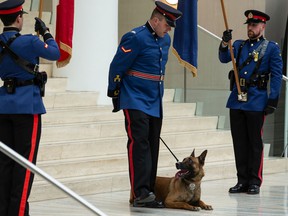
254	16
171	14
11	6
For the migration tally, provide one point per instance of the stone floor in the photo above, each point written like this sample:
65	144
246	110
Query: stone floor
272	200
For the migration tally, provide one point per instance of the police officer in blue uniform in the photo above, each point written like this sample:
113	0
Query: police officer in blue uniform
21	104
258	62
136	86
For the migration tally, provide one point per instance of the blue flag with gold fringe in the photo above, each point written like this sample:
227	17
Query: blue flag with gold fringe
185	42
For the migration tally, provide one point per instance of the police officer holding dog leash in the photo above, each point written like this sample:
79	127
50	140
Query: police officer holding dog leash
21	104
259	63
136	85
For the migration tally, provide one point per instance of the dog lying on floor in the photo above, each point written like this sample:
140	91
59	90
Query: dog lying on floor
184	190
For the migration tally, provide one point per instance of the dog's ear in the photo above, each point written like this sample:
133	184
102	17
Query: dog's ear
202	157
193	153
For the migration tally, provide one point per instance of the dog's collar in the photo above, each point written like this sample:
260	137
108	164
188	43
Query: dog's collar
192	186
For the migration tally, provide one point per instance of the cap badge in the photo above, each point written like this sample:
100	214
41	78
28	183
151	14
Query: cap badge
250	15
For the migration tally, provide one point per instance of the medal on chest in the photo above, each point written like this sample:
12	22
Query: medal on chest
255	55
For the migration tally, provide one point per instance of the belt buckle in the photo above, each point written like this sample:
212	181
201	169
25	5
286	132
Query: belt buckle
242	82
161	77
36	68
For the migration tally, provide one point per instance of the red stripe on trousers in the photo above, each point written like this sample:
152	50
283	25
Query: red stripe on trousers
261	167
130	151
262	156
28	173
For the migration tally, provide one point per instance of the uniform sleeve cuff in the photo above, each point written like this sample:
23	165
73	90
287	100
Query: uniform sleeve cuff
47	36
223	48
272	102
113	93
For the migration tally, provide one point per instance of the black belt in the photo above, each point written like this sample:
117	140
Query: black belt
247	83
17	83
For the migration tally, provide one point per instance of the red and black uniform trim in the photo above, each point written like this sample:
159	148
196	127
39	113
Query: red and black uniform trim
15	187
143	148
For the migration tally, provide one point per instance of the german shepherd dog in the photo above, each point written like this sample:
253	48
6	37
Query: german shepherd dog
184	190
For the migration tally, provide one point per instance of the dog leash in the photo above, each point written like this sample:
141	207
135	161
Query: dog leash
169	149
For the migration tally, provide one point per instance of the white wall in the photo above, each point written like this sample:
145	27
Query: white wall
94	44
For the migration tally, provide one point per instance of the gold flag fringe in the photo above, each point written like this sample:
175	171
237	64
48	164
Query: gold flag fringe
68	50
186	64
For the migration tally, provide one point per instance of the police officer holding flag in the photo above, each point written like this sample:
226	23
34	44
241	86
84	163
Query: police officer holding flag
258	63
21	104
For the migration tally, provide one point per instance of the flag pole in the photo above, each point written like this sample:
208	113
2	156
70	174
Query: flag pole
40	9
240	94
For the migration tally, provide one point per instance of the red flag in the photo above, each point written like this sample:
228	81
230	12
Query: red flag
64	30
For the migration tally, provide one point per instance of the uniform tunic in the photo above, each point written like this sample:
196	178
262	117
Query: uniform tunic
141	51
26	99
20	119
247	118
271	63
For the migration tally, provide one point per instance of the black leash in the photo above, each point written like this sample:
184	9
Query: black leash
169	149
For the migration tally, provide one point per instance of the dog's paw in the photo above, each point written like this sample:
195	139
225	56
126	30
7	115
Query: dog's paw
207	207
195	208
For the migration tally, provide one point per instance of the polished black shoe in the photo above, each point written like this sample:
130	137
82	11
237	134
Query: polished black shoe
239	188
152	204
253	189
144	199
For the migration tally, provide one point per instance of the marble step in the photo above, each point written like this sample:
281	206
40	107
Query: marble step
69	99
101	183
101	113
55	85
94	184
98	129
65	99
48	68
66	168
56	150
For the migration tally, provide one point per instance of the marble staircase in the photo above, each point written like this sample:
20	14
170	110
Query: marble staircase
83	144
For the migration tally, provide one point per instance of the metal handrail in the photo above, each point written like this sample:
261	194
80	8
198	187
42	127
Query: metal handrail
285	78
33	168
